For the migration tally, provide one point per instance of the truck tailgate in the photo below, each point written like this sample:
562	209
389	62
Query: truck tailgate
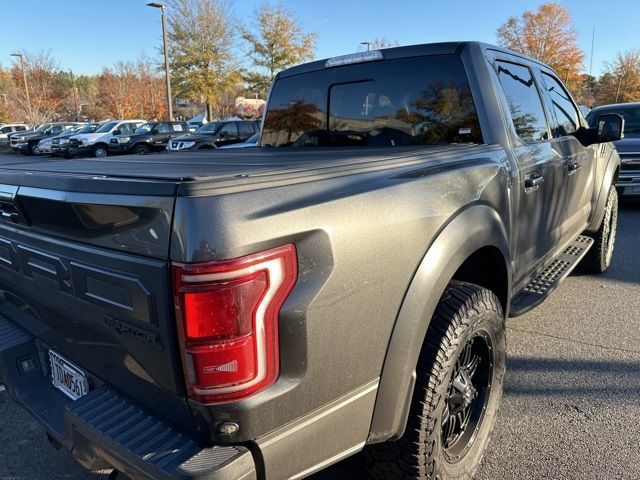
88	275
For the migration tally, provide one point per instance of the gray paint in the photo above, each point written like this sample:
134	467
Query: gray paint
379	234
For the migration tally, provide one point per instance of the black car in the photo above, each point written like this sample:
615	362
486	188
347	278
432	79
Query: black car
27	143
215	134
60	144
150	137
628	184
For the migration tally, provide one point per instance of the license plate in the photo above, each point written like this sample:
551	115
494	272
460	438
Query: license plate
67	378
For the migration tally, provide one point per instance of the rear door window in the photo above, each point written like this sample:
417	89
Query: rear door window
410	101
525	104
566	114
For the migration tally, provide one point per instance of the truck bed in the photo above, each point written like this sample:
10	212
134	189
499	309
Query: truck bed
214	172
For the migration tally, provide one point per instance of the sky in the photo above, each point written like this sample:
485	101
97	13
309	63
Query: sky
87	35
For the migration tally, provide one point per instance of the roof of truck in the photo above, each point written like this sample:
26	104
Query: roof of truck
441	48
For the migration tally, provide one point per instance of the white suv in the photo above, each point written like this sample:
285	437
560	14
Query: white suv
95	144
7	129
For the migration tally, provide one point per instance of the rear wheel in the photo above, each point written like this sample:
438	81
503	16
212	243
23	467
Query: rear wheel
100	151
598	259
457	393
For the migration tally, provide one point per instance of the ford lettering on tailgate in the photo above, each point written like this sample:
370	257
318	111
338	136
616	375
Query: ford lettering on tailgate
116	291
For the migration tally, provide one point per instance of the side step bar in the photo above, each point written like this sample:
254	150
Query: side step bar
548	280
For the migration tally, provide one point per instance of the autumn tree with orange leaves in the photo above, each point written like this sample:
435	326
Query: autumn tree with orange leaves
547	35
131	90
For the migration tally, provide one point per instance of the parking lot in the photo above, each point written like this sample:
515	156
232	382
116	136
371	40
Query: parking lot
570	408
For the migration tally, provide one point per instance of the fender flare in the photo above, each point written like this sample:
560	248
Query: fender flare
475	227
608	182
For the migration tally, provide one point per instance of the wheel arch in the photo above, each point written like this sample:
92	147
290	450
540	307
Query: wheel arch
475	238
609	180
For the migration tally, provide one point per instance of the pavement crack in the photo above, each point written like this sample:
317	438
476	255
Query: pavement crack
573	340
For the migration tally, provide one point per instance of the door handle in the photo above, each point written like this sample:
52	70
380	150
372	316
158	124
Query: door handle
573	166
534	182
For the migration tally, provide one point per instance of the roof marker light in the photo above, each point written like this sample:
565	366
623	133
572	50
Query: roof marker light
360	57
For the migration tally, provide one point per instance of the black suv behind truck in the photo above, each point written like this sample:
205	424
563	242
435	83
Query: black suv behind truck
215	134
150	137
263	313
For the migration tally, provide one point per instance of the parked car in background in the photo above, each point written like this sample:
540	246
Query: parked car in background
584	110
628	183
27	143
96	144
215	134
60	144
45	145
250	142
7	129
147	138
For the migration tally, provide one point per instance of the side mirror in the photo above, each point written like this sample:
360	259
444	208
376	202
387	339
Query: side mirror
609	127
117	131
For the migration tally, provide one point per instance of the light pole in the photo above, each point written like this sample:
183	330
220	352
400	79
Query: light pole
167	76
368	44
24	77
75	94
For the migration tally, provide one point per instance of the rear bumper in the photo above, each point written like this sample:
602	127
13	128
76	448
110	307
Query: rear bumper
104	429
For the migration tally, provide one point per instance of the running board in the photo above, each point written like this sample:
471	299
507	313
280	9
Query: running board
546	282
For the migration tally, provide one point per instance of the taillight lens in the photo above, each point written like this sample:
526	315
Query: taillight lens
228	322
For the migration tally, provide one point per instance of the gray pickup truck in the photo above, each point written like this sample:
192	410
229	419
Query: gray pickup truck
343	288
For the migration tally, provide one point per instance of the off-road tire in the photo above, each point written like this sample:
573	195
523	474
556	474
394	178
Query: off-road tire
598	258
465	311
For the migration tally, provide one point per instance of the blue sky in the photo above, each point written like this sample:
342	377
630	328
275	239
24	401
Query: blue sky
85	35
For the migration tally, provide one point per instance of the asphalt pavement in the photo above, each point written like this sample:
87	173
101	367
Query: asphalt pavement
571	407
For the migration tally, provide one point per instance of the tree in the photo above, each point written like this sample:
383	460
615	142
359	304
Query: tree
621	80
201	50
47	89
131	89
547	35
9	111
276	41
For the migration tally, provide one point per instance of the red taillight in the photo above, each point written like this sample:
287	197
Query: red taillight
228	322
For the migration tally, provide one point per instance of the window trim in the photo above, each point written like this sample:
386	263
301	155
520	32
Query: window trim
504	59
553	75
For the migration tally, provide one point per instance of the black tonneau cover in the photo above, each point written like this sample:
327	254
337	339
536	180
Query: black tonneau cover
196	172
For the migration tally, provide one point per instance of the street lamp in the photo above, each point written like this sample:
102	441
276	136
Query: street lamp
368	44
75	95
24	77
162	6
